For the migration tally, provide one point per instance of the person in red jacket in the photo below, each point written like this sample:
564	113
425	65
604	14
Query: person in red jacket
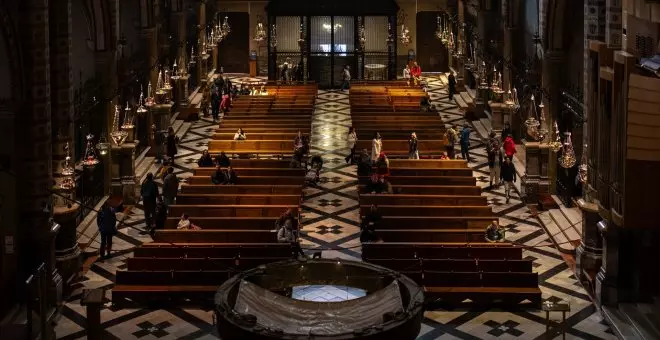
509	146
416	73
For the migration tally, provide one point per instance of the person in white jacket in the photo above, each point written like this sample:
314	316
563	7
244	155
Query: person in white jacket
406	74
352	143
287	234
376	147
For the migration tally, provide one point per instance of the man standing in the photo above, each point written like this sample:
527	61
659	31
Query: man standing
149	193
170	186
494	153
346	78
106	220
508	176
465	142
452	85
413	151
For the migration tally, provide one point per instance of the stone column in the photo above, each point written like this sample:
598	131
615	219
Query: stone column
535	182
38	230
552	80
588	255
614	24
179	21
150	39
201	50
67	253
105	71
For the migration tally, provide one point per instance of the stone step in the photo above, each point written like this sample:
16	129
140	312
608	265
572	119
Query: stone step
443	78
573	215
87	230
565	226
471	92
173	118
183	129
639	320
176	125
144	167
555	233
467	98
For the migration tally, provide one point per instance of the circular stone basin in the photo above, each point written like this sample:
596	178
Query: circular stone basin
319	299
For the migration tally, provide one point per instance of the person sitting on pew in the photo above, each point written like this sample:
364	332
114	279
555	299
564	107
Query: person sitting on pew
286	217
383	165
218	176
376	147
263	91
240	135
205	160
230	176
298	143
416	73
378	185
161	216
222	160
495	233
406	74
425	104
444	156
369	234
372	219
185	224
364	165
289	234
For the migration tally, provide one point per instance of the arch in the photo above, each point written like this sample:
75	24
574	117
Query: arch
99	21
12	47
555	14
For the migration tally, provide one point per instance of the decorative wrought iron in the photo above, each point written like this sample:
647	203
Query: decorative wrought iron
567	159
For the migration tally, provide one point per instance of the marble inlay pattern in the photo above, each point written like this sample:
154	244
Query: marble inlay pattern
331	225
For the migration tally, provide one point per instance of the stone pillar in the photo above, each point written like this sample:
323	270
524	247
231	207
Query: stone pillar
105	70
179	21
588	255
150	39
535	182
38	230
552	80
201	50
614	24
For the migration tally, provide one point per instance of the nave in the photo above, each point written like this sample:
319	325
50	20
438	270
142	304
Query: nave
330	220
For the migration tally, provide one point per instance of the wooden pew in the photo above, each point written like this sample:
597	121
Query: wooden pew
258	136
237	223
229	250
456	265
215	236
431	190
258	163
422	133
432	235
425	250
252	119
429	200
248	126
430	210
458	172
400	147
271	147
229	210
215	199
427	180
252	180
436	222
270	172
201	263
261	129
429	163
241	189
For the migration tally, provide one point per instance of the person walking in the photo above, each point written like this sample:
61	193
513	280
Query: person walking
465	142
149	193
346	78
215	103
494	153
172	141
413	151
170	186
508	176
452	85
106	221
351	139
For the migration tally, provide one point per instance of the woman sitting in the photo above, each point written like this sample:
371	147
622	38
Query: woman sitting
222	160
185	224
383	165
205	161
218	176
240	135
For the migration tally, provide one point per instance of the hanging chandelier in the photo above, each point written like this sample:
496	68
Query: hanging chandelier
103	146
482	75
362	35
543	131
150	101
555	145
301	37
273	36
68	183
193	57
141	110
160	83
438	28
89	159
390	36
496	85
118	135
531	122
128	118
167	85
567	159
260	32
405	35
584	168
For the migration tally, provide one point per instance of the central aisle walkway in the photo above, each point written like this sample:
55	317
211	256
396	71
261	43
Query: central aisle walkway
331	222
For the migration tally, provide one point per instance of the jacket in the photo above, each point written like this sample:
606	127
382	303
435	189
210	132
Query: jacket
412	145
509	147
205	161
223	161
286	235
495	158
376	146
170	185
465	137
106	220
416	71
508	172
149	190
218	177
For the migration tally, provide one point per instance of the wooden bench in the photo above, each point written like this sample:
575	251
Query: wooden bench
238	223
259	163
270	172
215	236
426	180
429	210
258	136
241	189
229	199
229	250
425	172
426	250
273	129
230	210
428	163
456	265
422	134
400	147
431	190
252	180
429	200
436	222
432	235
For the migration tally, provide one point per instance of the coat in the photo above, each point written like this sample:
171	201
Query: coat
412	145
287	235
465	138
508	172
149	191
106	220
170	186
171	145
509	147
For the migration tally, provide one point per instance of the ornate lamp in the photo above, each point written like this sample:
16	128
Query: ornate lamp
390	36
176	75
141	110
301	37
567	159
68	183
531	122
543	131
89	159
405	35
482	75
584	168
160	83
128	118
150	95
167	84
362	36
193	57
260	32
438	28
226	29
555	145
118	135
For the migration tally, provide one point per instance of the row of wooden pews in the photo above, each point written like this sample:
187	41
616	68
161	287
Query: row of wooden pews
433	230
392	109
237	221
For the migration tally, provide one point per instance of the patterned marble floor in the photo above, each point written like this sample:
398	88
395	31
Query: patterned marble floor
330	224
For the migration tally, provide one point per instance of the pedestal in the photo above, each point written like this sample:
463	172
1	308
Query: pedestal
181	91
202	69
589	255
92	299
214	56
68	258
123	167
500	114
131	133
483	92
535	182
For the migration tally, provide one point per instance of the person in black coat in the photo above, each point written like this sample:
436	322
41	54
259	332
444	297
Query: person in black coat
106	220
222	160
149	193
218	176
508	176
161	216
205	161
230	176
452	85
372	218
172	141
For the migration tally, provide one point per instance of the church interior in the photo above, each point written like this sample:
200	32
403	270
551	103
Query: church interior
329	169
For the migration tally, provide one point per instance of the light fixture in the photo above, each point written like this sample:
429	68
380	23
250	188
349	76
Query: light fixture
362	38
301	37
531	122
128	118
226	29
150	95
160	82
329	28
405	35
482	75
141	110
543	131
118	135
584	167
438	28
567	159
390	36
89	159
167	83
555	145
260	32
68	183
273	36
193	57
